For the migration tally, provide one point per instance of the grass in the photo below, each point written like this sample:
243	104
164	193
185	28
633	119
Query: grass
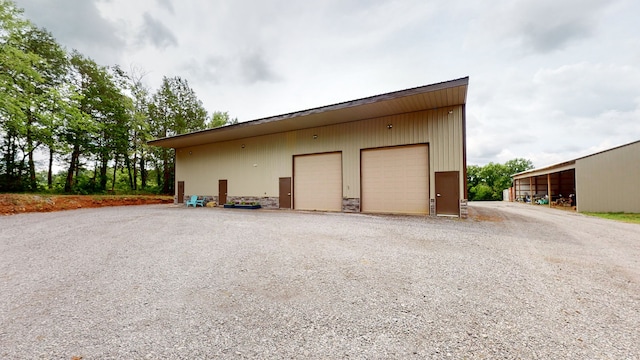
624	217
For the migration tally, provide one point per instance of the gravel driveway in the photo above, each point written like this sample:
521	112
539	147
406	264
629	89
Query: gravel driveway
161	281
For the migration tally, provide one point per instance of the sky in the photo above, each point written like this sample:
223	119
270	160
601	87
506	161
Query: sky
549	80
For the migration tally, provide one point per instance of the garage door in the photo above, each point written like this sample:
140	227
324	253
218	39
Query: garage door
317	182
395	180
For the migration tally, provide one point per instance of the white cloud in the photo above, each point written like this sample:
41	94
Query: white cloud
156	33
586	89
549	80
167	5
541	26
78	24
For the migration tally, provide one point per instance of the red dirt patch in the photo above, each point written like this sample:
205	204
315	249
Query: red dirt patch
11	204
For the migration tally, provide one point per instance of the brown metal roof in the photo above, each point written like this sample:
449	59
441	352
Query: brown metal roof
448	93
566	165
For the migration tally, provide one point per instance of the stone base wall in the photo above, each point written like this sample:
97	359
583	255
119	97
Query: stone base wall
264	201
464	208
267	202
351	205
207	198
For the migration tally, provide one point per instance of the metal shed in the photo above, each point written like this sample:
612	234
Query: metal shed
607	181
399	152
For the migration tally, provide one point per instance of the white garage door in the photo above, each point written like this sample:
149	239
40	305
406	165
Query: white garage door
317	182
395	180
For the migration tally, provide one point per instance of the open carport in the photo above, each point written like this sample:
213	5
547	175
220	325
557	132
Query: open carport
607	181
558	182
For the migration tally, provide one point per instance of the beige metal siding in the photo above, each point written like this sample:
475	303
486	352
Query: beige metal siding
255	169
395	180
609	181
446	145
252	170
317	182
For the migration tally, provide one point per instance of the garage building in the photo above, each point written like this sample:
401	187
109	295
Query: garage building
401	152
607	181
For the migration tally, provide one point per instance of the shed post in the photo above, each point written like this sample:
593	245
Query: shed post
549	188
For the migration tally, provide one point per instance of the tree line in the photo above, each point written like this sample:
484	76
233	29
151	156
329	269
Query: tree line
94	119
487	182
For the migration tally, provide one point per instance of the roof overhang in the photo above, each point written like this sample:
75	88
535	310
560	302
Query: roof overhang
440	95
563	166
552	169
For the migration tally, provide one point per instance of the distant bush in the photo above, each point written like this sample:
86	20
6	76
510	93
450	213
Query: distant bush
486	183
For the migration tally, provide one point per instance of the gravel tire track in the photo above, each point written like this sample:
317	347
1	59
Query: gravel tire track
163	281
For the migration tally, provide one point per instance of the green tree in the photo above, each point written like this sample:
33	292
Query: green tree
497	178
105	117
123	139
473	180
42	96
174	109
32	67
84	113
219	118
483	192
139	129
488	182
518	165
76	135
15	64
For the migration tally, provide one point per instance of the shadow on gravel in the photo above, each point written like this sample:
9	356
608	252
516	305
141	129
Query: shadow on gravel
483	214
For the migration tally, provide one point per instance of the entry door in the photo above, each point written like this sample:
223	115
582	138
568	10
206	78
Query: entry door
447	193
222	192
285	193
180	192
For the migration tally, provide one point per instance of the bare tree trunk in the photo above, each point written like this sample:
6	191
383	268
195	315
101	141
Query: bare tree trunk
92	180
73	168
143	172
135	170
50	172
10	183
33	184
115	170
103	173
78	164
159	171
32	166
127	162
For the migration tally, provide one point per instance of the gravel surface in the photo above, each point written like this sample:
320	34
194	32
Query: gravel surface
160	281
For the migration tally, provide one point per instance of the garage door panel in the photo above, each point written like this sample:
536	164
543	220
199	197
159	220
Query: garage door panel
395	180
318	182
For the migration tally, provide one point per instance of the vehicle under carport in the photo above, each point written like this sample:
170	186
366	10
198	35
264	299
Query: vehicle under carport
606	181
553	185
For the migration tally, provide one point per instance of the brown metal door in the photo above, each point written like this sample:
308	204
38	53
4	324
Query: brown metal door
180	192
285	193
222	192
447	193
